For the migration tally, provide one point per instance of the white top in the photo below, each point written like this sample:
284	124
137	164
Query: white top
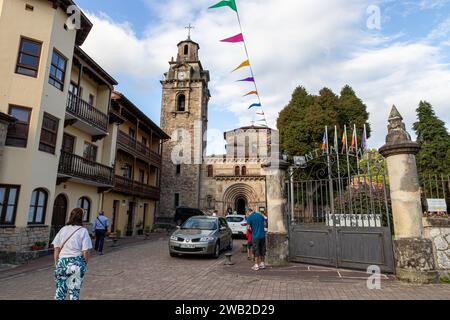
79	242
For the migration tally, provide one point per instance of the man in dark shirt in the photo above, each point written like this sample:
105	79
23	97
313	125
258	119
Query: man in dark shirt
256	222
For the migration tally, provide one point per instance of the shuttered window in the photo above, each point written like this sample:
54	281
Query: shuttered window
49	134
17	135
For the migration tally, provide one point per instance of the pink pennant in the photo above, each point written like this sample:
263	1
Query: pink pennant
237	38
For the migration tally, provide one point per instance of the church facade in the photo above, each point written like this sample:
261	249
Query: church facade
224	183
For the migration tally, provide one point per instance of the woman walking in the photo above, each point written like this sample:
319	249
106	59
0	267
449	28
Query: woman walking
72	245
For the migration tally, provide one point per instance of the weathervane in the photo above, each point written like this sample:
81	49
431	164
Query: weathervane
189	27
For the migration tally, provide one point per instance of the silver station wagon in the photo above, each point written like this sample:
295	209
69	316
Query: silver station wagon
202	235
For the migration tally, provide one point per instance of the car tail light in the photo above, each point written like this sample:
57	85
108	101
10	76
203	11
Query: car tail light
244	224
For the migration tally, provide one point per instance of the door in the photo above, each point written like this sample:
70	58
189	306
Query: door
59	215
68	143
114	215
130	228
240	206
225	236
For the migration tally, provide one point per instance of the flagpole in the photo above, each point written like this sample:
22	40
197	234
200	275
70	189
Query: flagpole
336	146
356	146
349	174
248	58
369	173
330	177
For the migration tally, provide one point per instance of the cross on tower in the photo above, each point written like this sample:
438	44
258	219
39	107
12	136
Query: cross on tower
189	27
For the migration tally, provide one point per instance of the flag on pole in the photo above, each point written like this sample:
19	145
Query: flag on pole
325	140
354	138
255	105
250	93
364	140
344	139
246	63
225	3
234	39
250	79
336	144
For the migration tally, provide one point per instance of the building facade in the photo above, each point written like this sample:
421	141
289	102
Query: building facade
62	148
230	182
184	116
132	204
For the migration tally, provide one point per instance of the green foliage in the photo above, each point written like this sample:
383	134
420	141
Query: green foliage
302	122
434	139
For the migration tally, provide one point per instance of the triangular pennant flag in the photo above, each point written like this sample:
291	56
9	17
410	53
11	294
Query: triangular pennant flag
250	79
250	93
225	3
246	63
234	39
255	105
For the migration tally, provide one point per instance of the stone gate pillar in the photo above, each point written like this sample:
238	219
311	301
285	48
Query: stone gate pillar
277	235
413	253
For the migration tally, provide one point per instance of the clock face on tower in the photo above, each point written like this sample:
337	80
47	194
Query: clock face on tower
181	75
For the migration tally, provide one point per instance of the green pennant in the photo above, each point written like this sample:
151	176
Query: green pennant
225	3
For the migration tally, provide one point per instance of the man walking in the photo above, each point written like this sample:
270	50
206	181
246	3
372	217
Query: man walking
256	222
100	228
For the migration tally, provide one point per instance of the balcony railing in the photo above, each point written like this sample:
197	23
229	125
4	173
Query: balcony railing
78	167
81	109
131	187
138	148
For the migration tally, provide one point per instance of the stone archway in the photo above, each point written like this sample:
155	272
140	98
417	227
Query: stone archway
239	197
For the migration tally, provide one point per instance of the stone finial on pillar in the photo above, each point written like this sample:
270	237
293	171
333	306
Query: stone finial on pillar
414	254
277	236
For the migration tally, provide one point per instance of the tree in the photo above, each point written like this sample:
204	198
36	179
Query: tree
434	139
302	122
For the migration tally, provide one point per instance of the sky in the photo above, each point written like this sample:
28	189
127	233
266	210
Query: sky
389	51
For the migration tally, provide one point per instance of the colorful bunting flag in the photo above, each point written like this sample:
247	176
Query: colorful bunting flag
234	39
250	79
246	63
255	105
225	3
250	93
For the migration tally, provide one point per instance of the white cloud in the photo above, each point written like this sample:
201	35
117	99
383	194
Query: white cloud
291	43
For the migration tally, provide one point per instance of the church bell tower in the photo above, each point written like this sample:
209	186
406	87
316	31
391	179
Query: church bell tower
184	116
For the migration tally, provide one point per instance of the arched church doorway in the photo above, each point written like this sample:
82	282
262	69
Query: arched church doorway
241	205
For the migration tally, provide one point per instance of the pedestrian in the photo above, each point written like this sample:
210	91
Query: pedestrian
249	244
72	245
257	223
100	228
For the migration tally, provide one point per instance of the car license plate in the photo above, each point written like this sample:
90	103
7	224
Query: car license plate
188	246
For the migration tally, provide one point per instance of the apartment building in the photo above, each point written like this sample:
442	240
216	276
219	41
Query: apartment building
132	203
60	132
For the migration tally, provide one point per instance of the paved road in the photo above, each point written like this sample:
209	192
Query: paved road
146	271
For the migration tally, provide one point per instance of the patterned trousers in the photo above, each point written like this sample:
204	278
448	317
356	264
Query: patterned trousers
69	275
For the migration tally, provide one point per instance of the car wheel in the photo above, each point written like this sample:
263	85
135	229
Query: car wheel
173	255
216	254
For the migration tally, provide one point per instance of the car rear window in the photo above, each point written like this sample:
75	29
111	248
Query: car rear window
235	219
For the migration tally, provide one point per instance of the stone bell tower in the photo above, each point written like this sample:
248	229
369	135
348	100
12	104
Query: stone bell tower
184	116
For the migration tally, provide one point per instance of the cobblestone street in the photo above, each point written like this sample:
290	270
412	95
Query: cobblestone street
146	271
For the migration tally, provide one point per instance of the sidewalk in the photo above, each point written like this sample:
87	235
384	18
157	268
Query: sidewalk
8	271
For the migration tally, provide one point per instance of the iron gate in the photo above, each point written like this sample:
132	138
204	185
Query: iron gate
338	219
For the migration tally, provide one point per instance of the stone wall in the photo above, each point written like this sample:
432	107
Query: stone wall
16	243
438	231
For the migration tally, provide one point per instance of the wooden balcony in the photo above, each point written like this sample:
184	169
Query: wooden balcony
85	116
73	167
134	188
138	149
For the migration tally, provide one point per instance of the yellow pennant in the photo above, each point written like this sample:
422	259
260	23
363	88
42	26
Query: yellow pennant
251	92
246	63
